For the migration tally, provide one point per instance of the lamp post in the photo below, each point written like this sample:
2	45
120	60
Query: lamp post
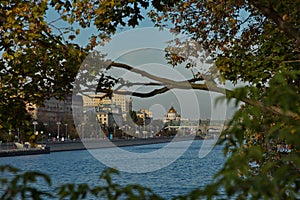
58	124
67	137
36	133
151	131
18	130
79	131
36	136
34	126
82	131
9	134
114	130
97	124
136	131
126	130
42	134
45	129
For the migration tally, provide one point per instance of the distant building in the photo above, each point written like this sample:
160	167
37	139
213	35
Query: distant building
109	115
90	101
94	100
172	118
55	110
145	114
59	111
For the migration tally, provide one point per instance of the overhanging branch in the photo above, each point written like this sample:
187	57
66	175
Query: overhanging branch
153	77
187	85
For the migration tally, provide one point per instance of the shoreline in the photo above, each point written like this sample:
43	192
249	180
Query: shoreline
8	149
24	152
106	143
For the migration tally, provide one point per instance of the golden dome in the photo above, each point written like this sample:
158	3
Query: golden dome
172	110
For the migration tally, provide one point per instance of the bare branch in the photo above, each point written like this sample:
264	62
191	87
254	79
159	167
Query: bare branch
209	85
165	81
129	84
144	95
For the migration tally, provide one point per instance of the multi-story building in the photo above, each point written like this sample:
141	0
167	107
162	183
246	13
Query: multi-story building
58	113
94	100
144	114
109	115
91	101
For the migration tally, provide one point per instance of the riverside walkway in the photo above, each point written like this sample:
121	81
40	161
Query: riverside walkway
106	143
101	143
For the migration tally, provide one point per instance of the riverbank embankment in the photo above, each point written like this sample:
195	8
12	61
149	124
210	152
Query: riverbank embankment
106	143
103	143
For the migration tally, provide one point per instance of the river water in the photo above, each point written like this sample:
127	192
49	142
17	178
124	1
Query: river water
180	177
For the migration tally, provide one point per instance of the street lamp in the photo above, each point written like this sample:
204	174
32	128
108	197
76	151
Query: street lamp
126	128
42	134
67	131
18	136
91	132
45	127
114	129
136	131
79	131
58	124
9	134
34	126
82	130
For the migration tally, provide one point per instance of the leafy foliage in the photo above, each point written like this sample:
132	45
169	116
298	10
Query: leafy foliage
263	148
250	40
36	62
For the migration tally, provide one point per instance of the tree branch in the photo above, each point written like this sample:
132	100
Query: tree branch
187	85
144	95
153	77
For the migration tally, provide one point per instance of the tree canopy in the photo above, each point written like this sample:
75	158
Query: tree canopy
255	42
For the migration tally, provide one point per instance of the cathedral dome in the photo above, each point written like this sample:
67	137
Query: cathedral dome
172	110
